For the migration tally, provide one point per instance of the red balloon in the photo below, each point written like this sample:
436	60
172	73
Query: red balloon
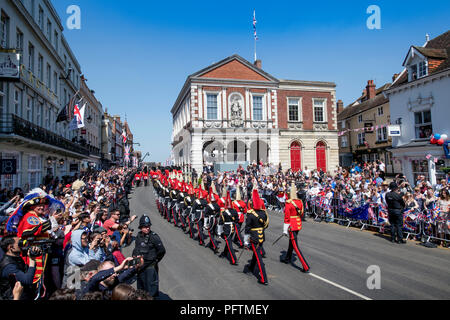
433	141
441	142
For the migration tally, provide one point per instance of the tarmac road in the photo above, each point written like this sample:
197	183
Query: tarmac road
338	257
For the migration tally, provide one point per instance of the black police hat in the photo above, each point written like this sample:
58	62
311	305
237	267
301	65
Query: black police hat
144	222
393	186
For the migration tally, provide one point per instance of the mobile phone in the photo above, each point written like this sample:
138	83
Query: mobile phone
134	262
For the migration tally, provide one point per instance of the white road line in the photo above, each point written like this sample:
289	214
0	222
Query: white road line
340	287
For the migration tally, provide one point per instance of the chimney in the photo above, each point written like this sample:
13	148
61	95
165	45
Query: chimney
370	90
340	106
394	77
258	64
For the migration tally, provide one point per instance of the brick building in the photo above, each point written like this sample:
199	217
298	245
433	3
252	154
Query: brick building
233	112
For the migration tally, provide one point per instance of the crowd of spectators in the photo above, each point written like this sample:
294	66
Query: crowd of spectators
361	184
85	258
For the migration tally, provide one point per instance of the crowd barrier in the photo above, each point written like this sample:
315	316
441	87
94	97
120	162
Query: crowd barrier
425	225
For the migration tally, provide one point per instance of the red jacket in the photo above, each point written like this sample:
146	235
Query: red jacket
241	209
293	212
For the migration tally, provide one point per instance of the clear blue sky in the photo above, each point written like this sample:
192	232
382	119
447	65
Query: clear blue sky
137	54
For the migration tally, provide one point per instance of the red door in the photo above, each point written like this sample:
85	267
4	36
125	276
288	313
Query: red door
296	156
321	156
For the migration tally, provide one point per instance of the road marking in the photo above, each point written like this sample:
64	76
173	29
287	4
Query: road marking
340	287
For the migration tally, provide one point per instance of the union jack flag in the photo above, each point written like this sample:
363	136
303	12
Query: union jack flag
254	24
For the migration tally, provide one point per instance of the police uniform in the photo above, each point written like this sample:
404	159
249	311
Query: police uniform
151	248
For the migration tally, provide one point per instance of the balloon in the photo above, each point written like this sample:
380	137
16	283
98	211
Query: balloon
444	136
433	141
441	142
437	136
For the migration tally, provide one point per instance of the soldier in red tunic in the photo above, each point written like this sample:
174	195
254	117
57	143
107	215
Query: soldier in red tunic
293	213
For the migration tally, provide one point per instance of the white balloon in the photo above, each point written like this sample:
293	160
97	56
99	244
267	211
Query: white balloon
444	136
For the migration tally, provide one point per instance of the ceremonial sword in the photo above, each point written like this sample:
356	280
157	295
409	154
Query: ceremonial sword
283	235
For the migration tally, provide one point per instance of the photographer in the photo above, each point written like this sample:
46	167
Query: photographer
123	235
109	276
150	246
13	269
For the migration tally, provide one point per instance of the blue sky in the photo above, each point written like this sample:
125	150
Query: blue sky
137	55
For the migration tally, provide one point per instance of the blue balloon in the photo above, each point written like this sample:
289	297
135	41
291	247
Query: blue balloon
437	136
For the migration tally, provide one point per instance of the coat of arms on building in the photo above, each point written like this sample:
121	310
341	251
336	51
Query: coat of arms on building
236	103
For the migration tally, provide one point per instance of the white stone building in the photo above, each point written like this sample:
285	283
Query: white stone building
49	77
233	112
420	103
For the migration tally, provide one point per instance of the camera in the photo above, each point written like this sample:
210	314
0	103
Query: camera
45	245
134	262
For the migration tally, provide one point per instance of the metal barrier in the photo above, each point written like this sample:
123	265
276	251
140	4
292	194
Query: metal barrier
429	224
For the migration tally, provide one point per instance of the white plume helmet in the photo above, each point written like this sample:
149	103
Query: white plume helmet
293	194
238	193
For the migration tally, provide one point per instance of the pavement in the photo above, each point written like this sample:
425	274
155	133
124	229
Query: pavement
344	264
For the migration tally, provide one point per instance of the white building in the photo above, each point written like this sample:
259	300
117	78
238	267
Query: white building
49	77
233	112
420	102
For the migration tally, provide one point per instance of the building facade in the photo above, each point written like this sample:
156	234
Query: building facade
233	112
363	129
419	103
92	133
49	77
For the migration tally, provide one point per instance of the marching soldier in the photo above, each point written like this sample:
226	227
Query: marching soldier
145	176
226	229
241	209
212	211
257	221
172	203
292	225
137	178
197	216
188	201
181	207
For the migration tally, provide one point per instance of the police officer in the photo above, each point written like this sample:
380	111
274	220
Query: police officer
396	206
151	248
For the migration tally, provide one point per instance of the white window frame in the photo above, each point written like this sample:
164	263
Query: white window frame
299	108
423	124
382	134
2	97
17	101
16	179
422	69
49	30
49	76
380	111
41	67
360	118
361	138
41	18
29	109
344	141
219	104
324	109
37	170
4	29
19	44
263	101
31	52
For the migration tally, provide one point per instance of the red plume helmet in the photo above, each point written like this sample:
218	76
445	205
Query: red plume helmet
228	203
257	203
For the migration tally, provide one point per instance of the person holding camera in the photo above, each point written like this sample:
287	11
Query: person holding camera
13	269
151	248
